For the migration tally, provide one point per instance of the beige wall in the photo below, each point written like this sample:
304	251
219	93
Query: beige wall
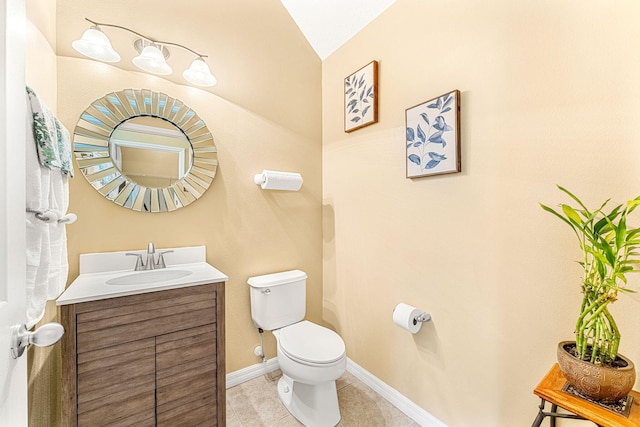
247	231
550	94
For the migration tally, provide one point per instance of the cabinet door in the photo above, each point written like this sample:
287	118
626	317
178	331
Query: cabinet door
186	377
116	385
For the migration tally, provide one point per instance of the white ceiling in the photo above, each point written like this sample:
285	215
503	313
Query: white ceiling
328	24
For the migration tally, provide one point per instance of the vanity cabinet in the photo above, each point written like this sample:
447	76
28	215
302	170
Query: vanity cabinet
151	359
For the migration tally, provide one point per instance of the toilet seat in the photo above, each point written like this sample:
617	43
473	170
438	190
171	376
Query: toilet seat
309	343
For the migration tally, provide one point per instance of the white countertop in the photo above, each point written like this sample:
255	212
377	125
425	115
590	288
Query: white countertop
92	285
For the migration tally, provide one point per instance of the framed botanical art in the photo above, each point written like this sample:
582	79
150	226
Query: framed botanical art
433	136
361	97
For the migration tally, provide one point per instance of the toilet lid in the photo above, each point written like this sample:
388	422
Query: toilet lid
312	343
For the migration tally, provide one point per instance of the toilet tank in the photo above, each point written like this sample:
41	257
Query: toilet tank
278	299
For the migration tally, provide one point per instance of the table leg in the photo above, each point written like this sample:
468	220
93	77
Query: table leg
554	410
541	415
553	414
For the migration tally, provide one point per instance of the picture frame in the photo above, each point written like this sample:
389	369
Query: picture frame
361	97
433	136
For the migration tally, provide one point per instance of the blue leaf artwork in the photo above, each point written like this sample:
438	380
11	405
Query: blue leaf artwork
432	136
360	98
411	135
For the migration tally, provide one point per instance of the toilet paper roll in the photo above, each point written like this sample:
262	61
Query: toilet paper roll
404	316
274	180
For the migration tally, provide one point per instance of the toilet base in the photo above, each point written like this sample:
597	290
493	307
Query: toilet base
314	405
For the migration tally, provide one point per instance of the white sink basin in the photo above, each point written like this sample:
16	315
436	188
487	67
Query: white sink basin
148	277
110	275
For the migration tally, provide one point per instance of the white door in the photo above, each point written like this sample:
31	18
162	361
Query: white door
13	372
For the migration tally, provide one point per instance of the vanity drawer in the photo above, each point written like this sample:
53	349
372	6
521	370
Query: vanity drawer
119	320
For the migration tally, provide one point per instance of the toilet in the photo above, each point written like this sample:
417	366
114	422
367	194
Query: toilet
310	356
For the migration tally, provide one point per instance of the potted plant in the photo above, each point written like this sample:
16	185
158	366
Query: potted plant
609	251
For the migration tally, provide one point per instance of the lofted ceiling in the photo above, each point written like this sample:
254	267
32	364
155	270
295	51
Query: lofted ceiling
247	42
252	47
328	24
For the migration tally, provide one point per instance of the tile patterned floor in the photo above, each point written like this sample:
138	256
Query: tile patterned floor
255	403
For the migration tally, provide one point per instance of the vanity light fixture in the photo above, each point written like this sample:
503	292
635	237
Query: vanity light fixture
152	58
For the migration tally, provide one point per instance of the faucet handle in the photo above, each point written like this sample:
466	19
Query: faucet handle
139	262
160	263
151	249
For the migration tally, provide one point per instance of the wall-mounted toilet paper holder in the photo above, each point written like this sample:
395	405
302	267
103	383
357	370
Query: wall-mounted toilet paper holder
276	180
421	318
409	318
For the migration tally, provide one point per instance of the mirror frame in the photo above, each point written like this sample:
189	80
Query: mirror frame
91	148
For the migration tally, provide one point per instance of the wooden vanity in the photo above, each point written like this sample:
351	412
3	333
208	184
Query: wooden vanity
144	348
151	359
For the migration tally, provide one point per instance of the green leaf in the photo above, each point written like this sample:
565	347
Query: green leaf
621	232
573	197
602	270
552	211
608	252
600	258
607	219
572	214
632	204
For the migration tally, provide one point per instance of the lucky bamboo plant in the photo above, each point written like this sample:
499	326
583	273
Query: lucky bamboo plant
609	248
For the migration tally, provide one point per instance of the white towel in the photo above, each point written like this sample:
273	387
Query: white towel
47	192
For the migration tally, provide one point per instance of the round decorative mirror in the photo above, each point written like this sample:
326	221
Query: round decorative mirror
145	150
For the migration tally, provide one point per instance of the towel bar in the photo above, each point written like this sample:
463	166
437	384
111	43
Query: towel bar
50	216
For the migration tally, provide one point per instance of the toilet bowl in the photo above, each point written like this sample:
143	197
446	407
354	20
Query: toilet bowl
310	356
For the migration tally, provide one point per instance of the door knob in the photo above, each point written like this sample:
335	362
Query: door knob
44	336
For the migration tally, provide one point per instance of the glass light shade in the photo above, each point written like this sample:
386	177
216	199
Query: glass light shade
96	45
152	60
199	74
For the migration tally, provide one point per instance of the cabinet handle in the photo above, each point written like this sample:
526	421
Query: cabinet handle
44	336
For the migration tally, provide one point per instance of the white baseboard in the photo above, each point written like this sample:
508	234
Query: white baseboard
393	396
251	372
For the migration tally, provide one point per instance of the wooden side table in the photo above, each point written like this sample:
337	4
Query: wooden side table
550	390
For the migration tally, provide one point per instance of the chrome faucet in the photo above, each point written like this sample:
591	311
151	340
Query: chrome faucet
151	264
151	250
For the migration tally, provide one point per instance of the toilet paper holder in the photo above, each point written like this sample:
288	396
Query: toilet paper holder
421	318
278	180
409	318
